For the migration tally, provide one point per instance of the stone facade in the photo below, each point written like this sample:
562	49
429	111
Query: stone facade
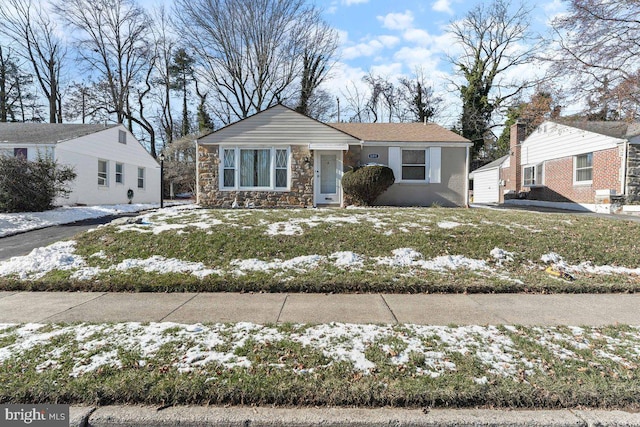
633	174
300	193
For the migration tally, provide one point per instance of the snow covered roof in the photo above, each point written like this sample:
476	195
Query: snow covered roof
46	133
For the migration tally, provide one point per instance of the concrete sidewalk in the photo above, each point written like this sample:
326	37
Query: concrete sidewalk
480	309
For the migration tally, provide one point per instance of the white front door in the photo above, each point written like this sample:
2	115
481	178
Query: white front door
328	168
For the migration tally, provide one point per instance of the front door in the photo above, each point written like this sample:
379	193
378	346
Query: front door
328	166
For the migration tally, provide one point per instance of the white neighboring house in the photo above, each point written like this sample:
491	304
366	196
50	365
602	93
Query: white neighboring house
108	160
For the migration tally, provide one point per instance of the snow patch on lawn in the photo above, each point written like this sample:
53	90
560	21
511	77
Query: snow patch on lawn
448	224
407	257
586	266
40	261
420	349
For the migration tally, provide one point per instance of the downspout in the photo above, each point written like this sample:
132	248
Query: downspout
197	173
623	181
466	182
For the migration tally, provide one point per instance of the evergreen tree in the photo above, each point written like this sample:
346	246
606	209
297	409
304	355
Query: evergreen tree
182	72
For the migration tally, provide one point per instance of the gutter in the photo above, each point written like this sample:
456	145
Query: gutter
466	181
623	181
197	172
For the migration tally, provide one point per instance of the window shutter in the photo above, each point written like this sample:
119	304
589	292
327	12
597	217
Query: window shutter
395	162
435	166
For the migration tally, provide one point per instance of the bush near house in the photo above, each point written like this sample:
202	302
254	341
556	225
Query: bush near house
32	186
365	184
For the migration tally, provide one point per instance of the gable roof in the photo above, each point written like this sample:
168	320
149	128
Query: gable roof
620	130
46	133
276	125
399	132
492	165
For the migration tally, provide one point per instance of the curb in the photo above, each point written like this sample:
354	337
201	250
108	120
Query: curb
201	416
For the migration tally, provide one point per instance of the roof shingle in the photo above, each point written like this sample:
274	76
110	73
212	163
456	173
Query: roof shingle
399	132
46	133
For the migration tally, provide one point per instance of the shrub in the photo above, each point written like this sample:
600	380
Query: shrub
32	186
365	184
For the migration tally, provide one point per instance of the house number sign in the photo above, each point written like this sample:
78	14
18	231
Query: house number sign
373	156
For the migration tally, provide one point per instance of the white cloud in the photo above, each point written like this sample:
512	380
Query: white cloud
417	36
370	47
351	2
553	6
387	70
443	6
417	57
397	21
389	41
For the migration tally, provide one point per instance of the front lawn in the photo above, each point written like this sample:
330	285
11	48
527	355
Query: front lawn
336	364
340	250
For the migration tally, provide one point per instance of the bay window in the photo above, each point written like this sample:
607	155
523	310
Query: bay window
255	168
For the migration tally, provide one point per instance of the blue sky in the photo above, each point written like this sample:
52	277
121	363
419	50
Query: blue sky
392	38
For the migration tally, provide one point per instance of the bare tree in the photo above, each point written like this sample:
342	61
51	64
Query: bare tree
31	28
112	44
165	42
356	108
493	40
249	50
317	57
419	102
599	46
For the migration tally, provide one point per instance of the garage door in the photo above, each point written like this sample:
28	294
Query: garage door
486	186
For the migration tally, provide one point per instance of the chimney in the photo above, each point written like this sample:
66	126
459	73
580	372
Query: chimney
514	181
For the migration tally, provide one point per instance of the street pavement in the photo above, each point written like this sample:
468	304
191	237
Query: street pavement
22	243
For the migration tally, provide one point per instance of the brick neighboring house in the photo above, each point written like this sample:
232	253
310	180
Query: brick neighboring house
576	165
281	158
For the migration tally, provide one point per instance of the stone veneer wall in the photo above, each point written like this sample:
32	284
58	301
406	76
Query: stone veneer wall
300	194
633	174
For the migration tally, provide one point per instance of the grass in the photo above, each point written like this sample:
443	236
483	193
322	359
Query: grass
219	239
534	367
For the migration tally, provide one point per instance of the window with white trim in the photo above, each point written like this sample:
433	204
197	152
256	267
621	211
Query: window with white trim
119	173
140	177
282	161
414	165
532	175
103	173
583	168
122	137
264	168
229	168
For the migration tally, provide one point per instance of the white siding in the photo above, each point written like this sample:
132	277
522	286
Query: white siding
278	125
83	154
555	141
486	186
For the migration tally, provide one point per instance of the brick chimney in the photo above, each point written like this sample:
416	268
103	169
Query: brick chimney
514	179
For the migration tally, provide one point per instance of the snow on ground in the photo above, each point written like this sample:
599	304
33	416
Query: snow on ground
62	256
20	222
587	266
88	347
